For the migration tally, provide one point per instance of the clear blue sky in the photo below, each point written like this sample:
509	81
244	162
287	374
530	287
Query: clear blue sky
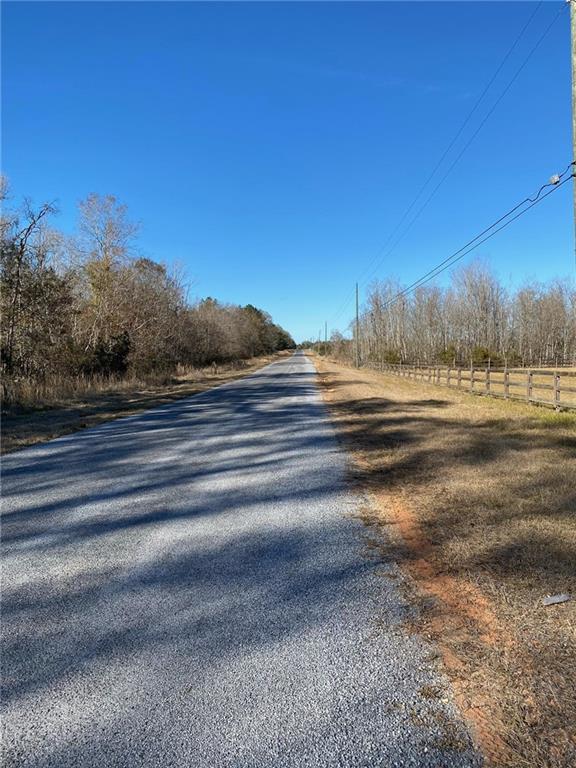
272	147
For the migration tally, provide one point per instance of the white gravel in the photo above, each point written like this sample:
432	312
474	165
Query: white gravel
188	587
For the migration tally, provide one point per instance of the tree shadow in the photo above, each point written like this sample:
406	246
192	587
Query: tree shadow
186	586
426	445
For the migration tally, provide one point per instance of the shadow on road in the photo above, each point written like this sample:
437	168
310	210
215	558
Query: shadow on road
155	564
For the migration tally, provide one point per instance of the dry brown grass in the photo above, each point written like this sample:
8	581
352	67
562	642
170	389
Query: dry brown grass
480	495
59	407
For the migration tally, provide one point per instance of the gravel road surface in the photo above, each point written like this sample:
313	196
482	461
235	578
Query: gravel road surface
189	587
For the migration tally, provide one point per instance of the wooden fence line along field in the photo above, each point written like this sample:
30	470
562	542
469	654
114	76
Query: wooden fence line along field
552	388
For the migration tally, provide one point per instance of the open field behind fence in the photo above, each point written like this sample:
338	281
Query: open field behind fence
552	388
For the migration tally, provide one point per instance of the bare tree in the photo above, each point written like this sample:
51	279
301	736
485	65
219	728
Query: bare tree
473	319
22	254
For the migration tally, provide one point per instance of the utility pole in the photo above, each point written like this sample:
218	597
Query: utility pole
357	334
573	60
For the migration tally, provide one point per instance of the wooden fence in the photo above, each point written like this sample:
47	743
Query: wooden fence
552	388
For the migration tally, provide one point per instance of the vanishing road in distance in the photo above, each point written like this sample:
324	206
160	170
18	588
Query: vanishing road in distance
189	587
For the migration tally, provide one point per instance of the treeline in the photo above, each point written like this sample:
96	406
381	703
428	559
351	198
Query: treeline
473	320
88	304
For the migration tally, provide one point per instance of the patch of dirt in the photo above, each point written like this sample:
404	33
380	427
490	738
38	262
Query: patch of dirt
460	615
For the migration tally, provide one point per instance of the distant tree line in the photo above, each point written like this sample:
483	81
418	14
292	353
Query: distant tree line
88	304
473	320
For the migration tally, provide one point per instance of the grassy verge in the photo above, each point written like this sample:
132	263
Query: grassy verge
480	497
86	406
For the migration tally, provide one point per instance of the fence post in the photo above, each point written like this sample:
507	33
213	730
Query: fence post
529	385
506	383
448	377
459	377
556	390
487	381
471	377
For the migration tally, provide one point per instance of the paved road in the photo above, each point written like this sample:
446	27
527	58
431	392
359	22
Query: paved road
188	587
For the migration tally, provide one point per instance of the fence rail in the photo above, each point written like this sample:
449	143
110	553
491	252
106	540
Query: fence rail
552	388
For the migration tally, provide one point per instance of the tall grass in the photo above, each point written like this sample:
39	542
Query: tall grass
56	390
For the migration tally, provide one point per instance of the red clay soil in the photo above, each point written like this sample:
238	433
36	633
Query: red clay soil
460	610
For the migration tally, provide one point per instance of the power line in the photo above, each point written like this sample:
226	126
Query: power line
453	142
465	123
444	154
471	245
470	140
534	199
